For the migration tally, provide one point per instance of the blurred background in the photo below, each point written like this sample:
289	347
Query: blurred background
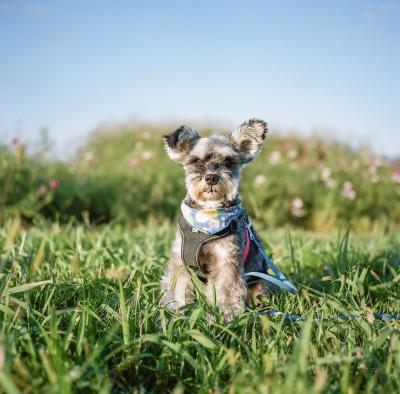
88	88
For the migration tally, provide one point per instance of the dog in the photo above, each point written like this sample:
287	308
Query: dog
212	238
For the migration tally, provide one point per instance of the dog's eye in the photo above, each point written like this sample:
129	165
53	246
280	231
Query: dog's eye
227	162
193	160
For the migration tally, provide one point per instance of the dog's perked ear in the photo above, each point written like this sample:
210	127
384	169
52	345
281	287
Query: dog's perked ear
248	139
179	143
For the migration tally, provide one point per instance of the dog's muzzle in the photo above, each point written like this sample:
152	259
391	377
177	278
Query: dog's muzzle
211	179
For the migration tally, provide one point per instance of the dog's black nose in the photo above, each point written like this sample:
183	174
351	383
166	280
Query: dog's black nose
211	179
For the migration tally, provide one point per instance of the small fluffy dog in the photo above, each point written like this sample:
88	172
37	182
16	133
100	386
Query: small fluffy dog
212	239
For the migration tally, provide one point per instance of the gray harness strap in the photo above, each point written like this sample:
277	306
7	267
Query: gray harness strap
193	240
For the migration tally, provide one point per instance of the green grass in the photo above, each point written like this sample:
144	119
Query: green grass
79	313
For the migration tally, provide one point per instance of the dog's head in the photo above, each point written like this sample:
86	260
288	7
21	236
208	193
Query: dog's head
212	165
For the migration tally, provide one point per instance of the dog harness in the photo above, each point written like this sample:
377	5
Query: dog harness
198	227
197	234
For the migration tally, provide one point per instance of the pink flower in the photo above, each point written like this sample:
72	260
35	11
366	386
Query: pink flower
381	161
304	162
15	141
297	207
287	145
396	175
133	162
297	203
41	190
348	191
54	183
330	183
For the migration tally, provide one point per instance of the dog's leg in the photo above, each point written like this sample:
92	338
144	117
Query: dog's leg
226	282
176	284
230	293
177	288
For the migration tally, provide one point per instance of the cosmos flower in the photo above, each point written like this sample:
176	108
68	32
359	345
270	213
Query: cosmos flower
396	175
292	153
259	180
287	145
297	207
326	174
330	183
304	161
133	161
147	155
348	191
275	157
41	190
54	184
381	161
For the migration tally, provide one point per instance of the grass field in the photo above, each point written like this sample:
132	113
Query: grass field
79	313
83	244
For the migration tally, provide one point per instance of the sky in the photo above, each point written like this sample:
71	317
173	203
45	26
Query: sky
331	66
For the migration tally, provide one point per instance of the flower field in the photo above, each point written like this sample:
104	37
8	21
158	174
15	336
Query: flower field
123	175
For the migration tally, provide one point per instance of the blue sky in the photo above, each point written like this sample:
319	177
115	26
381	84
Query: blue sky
71	65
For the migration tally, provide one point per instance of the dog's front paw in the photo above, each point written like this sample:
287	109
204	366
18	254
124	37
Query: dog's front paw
231	311
168	301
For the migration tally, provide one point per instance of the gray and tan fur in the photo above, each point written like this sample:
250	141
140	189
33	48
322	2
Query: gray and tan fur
212	173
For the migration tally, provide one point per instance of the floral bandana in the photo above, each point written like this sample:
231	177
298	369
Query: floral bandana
210	221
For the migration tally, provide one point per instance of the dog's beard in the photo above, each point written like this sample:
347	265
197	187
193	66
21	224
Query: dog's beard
225	190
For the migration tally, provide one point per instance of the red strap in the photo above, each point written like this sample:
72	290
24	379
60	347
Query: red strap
247	246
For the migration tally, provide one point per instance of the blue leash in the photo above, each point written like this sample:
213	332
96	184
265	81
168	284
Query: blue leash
283	282
296	318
